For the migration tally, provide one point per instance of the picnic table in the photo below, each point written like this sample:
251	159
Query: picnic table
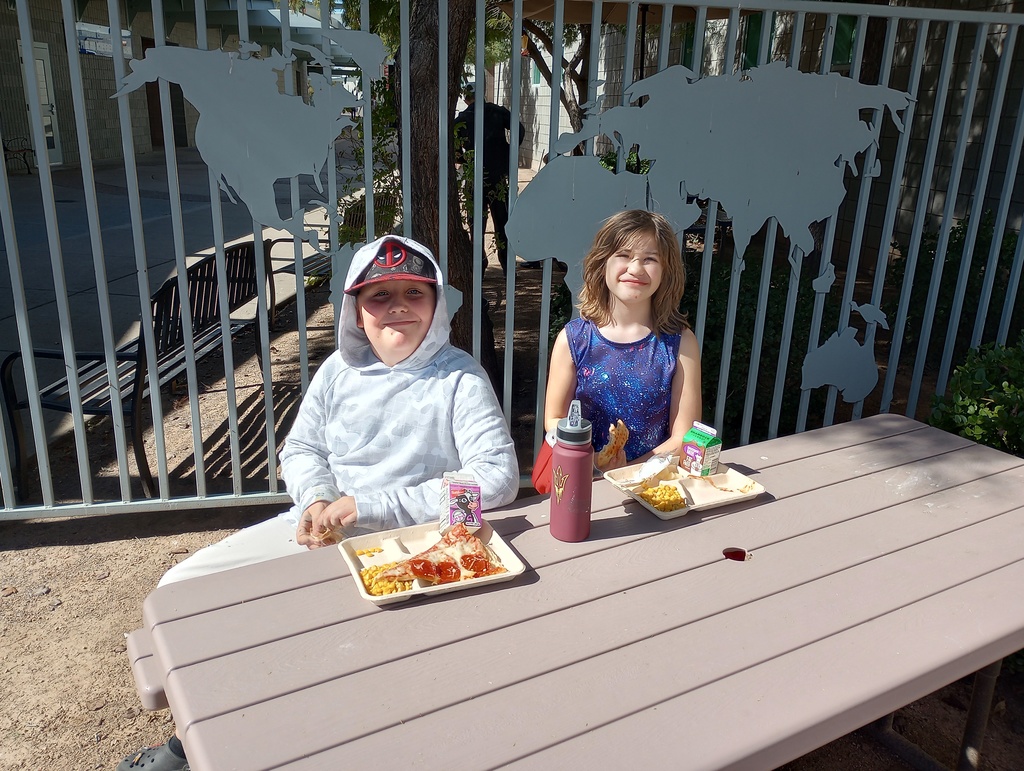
886	562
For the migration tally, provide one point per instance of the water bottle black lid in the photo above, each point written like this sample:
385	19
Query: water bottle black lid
573	434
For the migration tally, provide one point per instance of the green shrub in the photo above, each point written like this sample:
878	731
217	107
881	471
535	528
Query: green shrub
985	401
634	163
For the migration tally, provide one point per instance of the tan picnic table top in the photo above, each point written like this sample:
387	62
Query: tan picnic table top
887	562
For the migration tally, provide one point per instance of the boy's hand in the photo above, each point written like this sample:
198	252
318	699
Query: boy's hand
322	523
304	534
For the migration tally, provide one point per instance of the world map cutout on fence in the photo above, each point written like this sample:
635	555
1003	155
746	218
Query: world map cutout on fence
771	142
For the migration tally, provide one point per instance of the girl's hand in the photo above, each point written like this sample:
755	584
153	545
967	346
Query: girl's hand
618	461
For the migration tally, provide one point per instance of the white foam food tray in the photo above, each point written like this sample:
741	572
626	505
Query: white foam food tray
402	543
699	493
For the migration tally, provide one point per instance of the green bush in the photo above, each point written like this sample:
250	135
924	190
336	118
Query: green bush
985	401
634	163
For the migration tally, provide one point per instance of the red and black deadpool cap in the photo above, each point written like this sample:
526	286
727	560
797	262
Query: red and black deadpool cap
396	260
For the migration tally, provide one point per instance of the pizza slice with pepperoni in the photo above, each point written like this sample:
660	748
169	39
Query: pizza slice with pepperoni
458	556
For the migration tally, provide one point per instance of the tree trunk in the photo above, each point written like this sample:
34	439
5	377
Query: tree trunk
424	120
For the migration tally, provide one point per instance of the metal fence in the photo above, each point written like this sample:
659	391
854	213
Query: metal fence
806	316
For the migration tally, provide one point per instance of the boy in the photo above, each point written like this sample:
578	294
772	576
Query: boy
385	416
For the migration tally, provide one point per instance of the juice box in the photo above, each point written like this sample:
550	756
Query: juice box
460	502
701	447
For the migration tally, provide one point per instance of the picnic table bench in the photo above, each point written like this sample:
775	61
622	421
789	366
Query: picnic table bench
133	386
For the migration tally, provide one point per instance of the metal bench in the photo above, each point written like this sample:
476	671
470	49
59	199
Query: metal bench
96	396
19	150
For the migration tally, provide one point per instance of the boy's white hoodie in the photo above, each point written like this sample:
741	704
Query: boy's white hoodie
385	435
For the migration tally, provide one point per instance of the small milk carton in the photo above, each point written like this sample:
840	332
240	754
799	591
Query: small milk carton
701	447
460	502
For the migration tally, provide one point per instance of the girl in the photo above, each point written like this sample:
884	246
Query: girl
630	355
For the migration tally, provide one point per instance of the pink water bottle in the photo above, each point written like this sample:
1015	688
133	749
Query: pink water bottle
572	477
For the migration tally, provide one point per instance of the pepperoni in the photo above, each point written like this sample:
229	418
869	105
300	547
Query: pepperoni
447	572
422	568
474	563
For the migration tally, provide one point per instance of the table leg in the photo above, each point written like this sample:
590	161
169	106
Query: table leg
974	732
977	716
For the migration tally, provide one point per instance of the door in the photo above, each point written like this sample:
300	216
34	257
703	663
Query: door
47	102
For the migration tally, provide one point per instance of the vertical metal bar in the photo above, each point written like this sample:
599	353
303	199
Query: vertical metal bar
442	153
333	237
825	258
96	244
595	58
403	25
866	179
705	270
479	263
767	22
60	288
798	36
1011	290
814	334
513	192
24	333
146	334
1009	179
700	31
738	266
795	262
371	227
895	183
545	283
731	38
976	213
217	215
629	61
6	477
795	259
665	39
767	263
262	317
828	43
924	191
952	189
178	239
696	66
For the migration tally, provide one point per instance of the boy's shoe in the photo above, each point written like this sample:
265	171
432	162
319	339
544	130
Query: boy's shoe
159	758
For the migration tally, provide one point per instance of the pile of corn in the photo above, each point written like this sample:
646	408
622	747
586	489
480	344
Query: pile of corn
381	586
663	497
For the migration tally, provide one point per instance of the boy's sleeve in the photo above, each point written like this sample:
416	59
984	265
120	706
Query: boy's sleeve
304	465
485	450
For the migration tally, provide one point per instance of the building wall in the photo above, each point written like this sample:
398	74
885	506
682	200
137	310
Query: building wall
98	77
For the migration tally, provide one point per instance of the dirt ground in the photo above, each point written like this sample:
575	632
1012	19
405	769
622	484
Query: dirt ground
71	589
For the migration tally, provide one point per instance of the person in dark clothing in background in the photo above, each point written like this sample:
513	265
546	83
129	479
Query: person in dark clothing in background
497	126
